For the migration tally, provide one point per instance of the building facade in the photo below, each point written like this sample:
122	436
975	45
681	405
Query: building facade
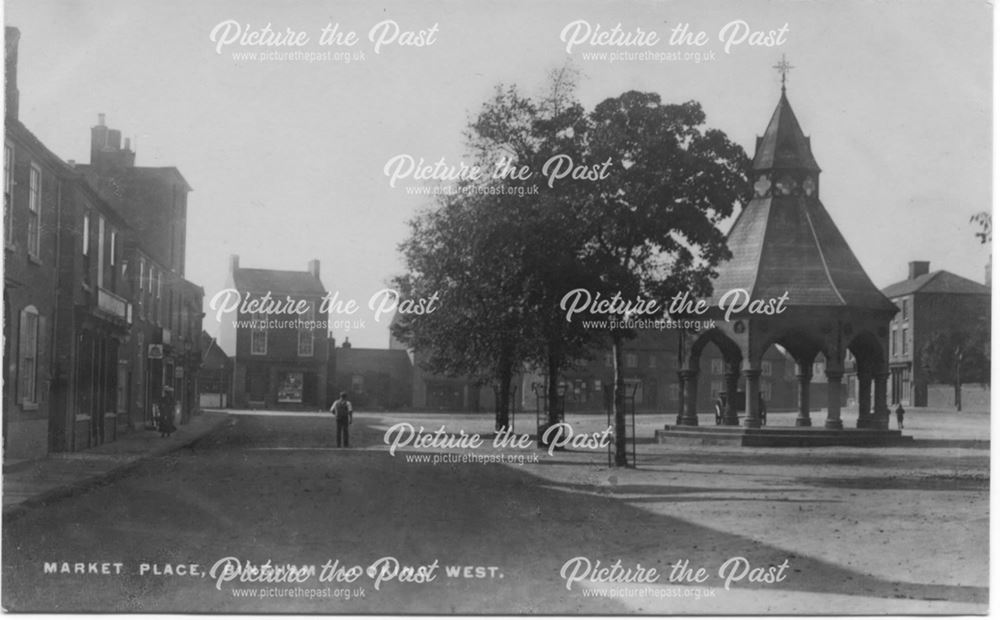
94	275
34	180
375	379
215	380
931	303
651	365
93	323
164	349
281	359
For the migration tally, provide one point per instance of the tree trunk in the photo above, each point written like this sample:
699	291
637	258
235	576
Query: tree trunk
618	401
555	404
958	382
503	398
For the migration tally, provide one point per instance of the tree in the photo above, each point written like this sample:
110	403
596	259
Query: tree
502	264
461	252
531	133
958	355
654	224
985	221
498	258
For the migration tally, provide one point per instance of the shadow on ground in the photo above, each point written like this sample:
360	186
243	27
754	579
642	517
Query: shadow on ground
271	489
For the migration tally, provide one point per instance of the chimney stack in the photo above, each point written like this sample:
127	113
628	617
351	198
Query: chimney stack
314	267
12	96
98	140
918	268
106	152
234	262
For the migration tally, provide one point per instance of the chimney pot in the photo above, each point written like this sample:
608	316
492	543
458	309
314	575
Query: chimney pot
918	268
314	267
100	119
234	262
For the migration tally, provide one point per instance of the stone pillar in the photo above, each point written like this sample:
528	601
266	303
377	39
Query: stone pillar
689	415
681	394
804	376
752	376
864	399
731	417
880	418
833	378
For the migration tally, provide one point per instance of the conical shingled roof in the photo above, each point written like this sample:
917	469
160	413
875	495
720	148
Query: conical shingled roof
786	241
783	144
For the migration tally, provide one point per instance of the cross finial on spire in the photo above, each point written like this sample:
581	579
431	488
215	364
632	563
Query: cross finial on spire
783	68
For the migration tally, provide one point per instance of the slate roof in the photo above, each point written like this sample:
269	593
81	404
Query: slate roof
278	282
163	174
936	282
789	242
783	144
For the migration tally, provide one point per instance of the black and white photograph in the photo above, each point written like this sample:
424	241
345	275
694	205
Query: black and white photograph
459	308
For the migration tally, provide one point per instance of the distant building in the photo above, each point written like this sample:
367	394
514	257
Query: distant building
650	367
280	360
216	377
375	379
434	392
929	303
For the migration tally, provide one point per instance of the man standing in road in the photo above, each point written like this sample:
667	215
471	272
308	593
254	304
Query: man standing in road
344	413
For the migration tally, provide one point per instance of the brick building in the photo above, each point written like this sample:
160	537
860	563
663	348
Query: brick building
375	379
930	303
94	274
650	367
163	354
283	359
34	179
93	322
216	377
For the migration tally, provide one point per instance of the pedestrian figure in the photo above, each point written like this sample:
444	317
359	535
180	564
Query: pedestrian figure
899	415
720	406
763	410
165	424
344	414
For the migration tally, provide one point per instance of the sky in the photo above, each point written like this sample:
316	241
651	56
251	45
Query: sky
287	157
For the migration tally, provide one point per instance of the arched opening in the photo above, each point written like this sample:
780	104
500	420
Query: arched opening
800	352
721	383
865	361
